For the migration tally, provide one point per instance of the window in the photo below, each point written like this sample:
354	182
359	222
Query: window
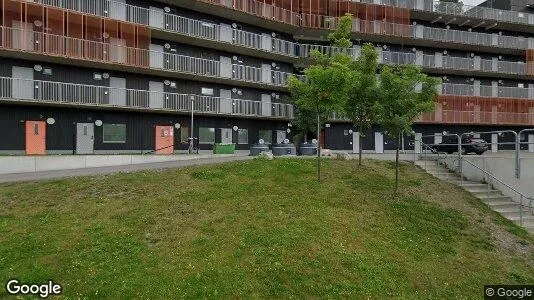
35	129
184	134
97	76
266	136
114	133
242	136
207	91
206	135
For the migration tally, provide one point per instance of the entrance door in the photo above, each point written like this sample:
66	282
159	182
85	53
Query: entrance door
226	135
280	136
35	137
164	140
85	138
355	142
22	83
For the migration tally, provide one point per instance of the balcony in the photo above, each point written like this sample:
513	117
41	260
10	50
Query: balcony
479	118
224	33
61	46
460	10
494	91
13	89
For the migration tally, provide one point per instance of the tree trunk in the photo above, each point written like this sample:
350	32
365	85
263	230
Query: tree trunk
397	164
360	146
318	148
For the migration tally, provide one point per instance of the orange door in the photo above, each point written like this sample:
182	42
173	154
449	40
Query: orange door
35	137
164	140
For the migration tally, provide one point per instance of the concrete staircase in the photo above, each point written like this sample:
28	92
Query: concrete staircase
495	199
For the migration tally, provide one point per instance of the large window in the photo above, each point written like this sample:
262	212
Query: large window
242	136
266	136
206	135
114	133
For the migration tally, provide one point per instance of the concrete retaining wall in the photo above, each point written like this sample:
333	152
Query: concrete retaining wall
503	168
25	164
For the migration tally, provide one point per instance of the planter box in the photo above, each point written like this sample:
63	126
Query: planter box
223	148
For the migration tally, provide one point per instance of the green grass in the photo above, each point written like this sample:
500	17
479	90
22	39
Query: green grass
259	229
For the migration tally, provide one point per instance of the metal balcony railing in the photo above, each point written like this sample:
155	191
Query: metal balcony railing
43	43
487	91
478	117
398	58
144	16
80	94
460	9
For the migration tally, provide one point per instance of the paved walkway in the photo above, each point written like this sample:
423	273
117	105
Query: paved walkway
32	176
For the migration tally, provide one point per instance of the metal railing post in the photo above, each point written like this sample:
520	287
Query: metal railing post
521	210
517	162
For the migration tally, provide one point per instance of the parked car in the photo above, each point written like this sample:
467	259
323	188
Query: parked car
470	144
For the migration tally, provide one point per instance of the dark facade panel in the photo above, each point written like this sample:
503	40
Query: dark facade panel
140	127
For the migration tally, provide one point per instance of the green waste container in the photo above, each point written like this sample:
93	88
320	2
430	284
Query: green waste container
223	149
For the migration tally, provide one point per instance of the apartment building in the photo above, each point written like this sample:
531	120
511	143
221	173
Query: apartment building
130	76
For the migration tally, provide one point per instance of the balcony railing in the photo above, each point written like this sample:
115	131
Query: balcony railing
43	43
460	9
478	117
80	94
207	30
487	91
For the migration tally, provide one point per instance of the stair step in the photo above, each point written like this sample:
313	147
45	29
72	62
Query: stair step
526	218
493	197
482	192
497	203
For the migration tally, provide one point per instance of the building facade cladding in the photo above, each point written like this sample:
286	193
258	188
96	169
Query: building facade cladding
143	59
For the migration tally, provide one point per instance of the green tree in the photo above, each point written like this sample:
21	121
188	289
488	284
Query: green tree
404	94
322	92
363	92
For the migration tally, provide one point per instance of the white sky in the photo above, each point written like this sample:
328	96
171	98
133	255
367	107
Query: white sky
472	2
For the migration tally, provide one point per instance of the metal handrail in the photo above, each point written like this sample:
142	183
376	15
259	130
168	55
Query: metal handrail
522	196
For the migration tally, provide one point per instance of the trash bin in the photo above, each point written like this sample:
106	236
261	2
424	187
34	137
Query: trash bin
223	148
284	149
308	149
257	149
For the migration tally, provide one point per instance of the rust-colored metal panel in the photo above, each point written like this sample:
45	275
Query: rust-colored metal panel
35	137
482	110
164	140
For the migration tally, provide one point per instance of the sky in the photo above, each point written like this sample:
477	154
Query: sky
472	2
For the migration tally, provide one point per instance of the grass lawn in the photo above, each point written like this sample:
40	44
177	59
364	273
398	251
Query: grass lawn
259	229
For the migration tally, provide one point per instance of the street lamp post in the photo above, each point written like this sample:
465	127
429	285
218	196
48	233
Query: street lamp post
192	122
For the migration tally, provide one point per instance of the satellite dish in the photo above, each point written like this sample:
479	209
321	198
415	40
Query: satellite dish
50	121
314	141
177	125
286	141
167	9
38	68
98	123
261	142
235	128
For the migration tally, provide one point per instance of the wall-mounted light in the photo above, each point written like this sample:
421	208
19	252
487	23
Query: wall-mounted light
177	125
